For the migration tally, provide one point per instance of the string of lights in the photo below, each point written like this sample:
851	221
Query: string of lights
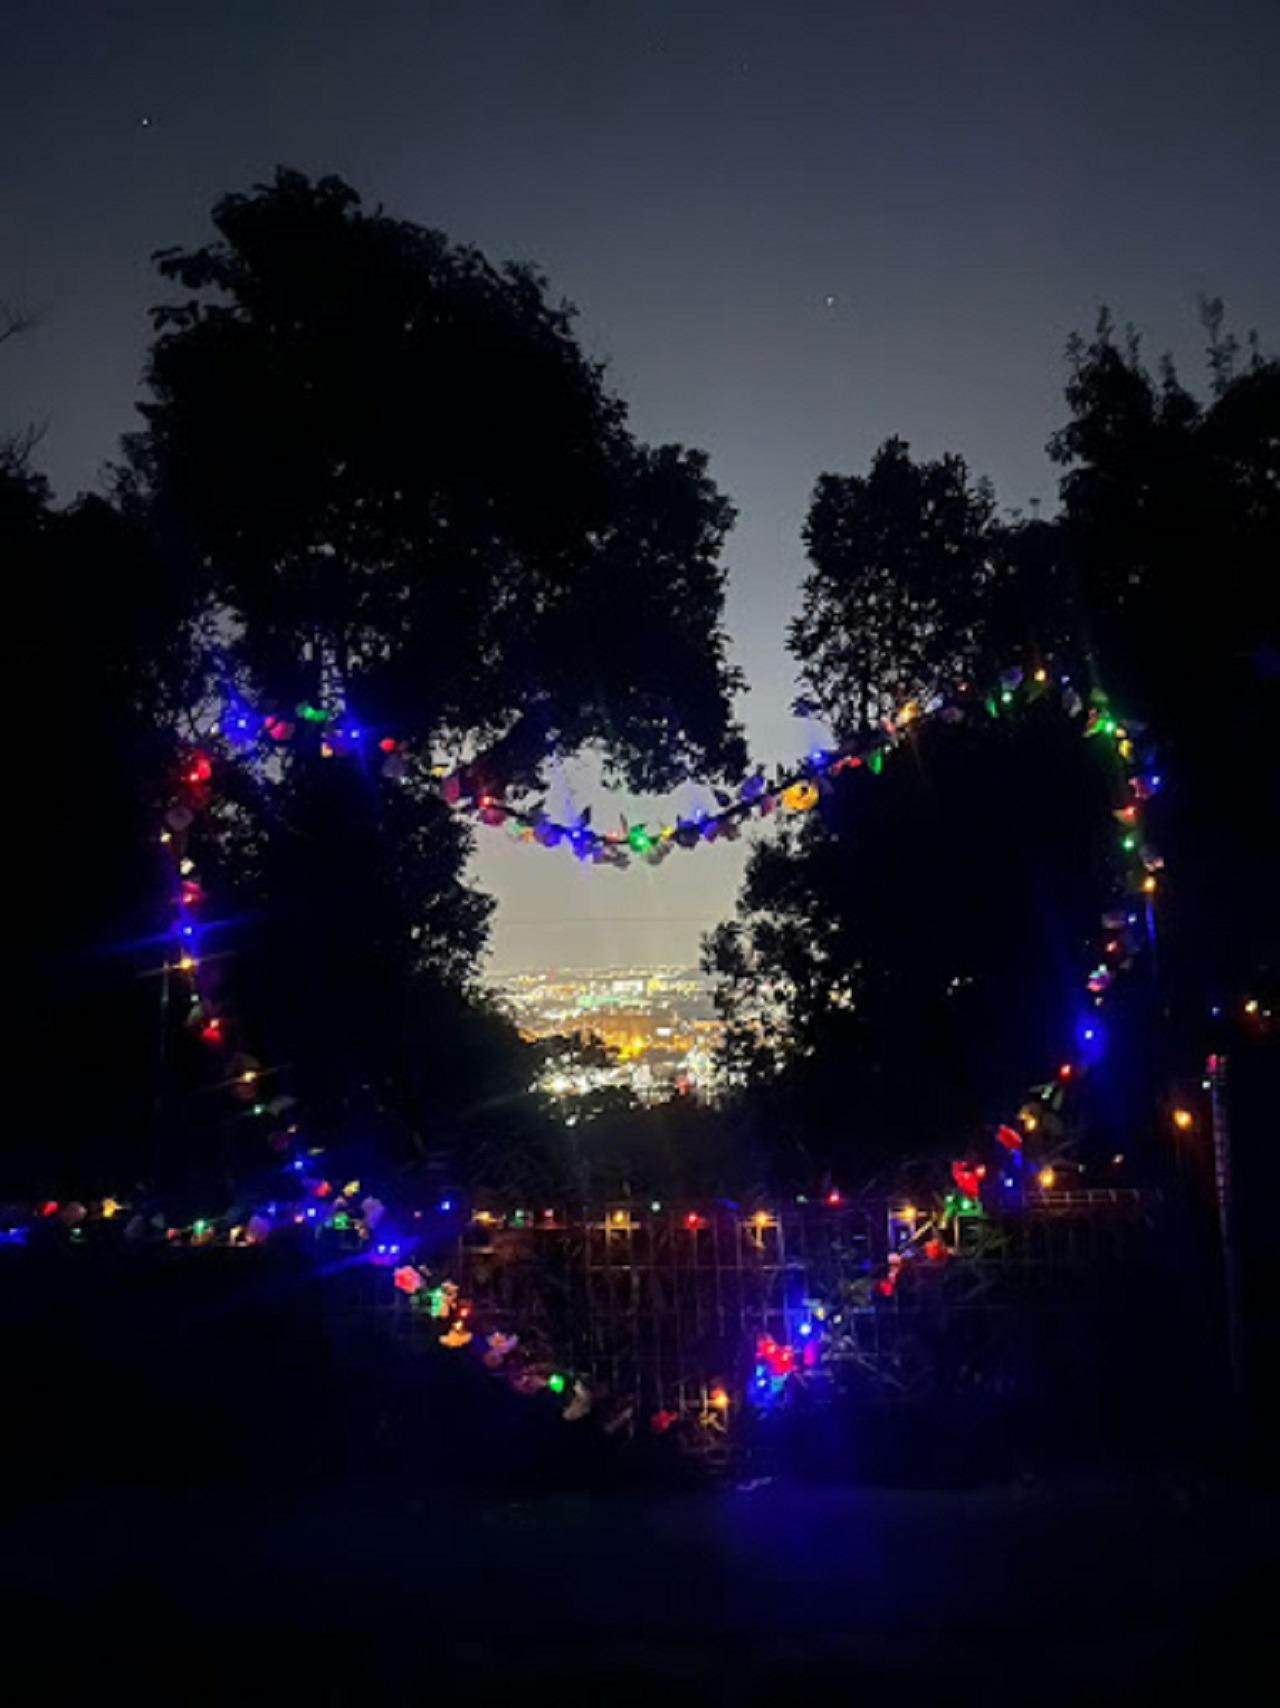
241	734
312	1204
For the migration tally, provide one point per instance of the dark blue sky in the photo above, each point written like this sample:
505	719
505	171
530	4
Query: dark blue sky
966	182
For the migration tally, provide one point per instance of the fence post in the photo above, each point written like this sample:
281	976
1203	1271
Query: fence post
1216	1071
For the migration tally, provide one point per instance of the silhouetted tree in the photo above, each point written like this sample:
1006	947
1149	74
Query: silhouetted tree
402	488
909	955
961	864
1171	516
100	643
904	561
1171	509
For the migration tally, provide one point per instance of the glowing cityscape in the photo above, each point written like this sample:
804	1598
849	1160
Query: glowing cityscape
655	1028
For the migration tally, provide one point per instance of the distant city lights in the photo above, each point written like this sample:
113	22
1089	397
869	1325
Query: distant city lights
648	1031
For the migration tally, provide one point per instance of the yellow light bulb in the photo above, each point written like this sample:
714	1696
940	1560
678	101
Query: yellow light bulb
800	797
1046	1178
1183	1120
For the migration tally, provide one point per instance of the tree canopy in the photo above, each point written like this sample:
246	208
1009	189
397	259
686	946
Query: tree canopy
102	639
1171	523
379	473
904	560
905	958
907	955
395	486
403	481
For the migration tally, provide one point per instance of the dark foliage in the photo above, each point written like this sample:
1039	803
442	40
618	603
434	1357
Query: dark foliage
978	856
99	647
904	560
1171	519
908	958
398	485
403	479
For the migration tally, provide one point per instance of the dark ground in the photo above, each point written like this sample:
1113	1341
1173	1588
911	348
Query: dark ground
1134	1593
235	1497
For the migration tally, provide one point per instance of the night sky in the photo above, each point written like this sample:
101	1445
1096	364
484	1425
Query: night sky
792	229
